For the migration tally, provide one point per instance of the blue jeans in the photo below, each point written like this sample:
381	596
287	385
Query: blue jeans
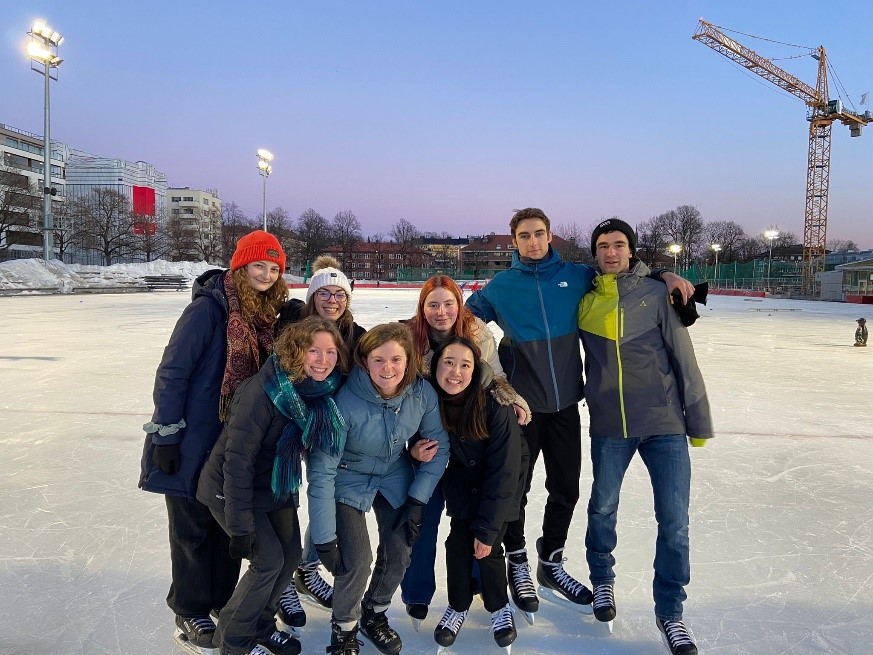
666	458
419	582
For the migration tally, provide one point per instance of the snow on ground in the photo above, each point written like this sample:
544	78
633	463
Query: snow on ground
781	518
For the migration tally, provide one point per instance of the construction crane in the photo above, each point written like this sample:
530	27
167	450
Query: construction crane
821	114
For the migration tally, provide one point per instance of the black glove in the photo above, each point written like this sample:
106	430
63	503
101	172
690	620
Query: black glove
688	312
243	547
167	458
329	554
410	519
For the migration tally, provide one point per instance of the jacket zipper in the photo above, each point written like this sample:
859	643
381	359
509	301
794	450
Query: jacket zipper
619	317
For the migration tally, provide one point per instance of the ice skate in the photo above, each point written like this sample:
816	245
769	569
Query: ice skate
558	586
447	629
312	588
521	587
374	626
343	642
604	604
503	628
281	643
290	614
195	635
417	613
677	638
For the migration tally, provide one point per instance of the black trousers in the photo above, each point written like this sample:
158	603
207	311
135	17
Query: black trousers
459	560
558	435
204	574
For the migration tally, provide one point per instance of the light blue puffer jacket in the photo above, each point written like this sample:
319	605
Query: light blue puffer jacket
374	459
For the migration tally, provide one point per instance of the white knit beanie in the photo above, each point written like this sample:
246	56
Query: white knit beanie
328	277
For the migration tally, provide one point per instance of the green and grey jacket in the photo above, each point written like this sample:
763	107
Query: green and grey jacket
641	376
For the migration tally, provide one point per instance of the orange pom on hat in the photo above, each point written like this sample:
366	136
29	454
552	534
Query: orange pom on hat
258	246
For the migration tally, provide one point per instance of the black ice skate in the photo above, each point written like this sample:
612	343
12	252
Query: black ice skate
677	637
343	642
448	628
374	626
290	613
521	587
312	587
195	635
559	586
503	628
417	613
604	604
281	643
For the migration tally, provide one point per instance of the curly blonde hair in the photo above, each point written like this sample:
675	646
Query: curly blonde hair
259	304
295	340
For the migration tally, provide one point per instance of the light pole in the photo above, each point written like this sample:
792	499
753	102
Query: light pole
43	49
264	167
716	248
675	248
770	234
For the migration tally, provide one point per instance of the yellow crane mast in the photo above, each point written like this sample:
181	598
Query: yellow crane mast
821	114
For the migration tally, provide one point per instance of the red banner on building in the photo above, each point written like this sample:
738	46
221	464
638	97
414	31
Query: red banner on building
143	201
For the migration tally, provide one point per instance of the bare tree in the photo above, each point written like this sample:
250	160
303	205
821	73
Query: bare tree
346	230
234	224
378	241
107	223
404	234
729	235
149	237
313	231
652	239
842	245
578	242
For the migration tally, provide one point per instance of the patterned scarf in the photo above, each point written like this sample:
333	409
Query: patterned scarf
315	420
245	340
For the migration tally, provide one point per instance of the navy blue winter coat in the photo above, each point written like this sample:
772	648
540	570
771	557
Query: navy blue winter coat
188	386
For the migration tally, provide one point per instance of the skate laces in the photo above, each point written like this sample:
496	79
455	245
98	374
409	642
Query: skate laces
502	619
376	625
564	579
289	601
199	626
521	580
452	620
316	585
677	633
603	596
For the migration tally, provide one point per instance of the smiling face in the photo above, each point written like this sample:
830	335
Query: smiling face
455	368
440	311
262	274
387	366
328	304
612	252
532	238
321	356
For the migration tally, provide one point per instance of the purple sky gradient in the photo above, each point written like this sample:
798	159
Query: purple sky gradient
452	114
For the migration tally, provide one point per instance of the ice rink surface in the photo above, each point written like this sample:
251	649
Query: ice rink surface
781	518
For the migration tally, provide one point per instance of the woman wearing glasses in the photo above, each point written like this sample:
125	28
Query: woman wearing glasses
328	296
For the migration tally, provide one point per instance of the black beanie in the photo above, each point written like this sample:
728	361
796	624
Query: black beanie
614	225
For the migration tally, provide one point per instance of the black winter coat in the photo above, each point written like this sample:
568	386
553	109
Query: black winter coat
188	386
484	480
236	477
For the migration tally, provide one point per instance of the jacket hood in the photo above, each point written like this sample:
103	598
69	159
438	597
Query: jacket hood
360	384
208	281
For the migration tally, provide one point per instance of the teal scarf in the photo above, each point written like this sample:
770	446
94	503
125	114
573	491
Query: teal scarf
315	421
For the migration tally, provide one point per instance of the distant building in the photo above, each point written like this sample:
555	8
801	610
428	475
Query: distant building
837	258
21	184
446	252
194	219
487	255
379	260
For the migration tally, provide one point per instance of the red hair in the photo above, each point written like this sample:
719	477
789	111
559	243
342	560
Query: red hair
465	325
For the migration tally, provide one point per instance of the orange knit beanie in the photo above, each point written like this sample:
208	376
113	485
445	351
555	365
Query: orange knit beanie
257	246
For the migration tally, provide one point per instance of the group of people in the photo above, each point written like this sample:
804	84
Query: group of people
412	419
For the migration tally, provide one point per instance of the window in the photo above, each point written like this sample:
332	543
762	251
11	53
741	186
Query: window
205	202
188	198
176	198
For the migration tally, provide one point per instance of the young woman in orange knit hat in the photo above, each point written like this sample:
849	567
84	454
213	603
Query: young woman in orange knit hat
221	339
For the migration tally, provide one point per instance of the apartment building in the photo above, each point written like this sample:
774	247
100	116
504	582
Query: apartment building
194	224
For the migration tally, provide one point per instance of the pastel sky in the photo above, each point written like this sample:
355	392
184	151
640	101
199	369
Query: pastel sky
451	114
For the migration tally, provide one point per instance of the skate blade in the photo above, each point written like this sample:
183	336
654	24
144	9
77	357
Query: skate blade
292	630
306	599
444	650
610	627
549	594
416	623
528	616
188	647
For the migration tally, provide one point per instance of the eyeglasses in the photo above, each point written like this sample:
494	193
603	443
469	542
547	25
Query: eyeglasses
325	295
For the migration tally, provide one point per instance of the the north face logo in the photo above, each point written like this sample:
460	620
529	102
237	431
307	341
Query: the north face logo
643	303
562	284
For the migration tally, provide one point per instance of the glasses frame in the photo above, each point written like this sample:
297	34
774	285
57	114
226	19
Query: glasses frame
324	295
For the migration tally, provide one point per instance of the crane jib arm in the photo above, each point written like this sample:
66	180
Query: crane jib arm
711	36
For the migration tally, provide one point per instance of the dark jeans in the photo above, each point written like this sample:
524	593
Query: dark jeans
666	458
459	559
558	435
204	574
250	614
351	586
419	582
